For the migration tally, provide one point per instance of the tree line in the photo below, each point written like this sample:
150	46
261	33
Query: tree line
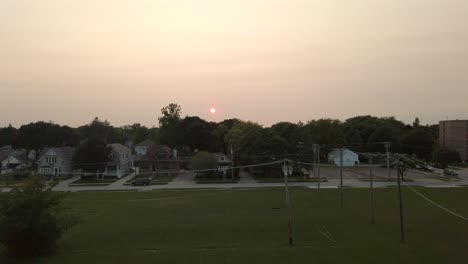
247	139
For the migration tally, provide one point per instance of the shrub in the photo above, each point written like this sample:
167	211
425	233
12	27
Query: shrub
32	219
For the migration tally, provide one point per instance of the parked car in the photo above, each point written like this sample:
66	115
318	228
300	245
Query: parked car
450	173
141	182
427	168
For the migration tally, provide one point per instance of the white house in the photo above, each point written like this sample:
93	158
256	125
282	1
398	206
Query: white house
120	161
11	160
55	161
224	162
349	158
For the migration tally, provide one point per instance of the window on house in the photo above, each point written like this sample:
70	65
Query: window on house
51	160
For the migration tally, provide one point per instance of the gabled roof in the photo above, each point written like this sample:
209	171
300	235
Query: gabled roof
154	152
146	143
336	152
19	154
66	153
5	148
117	147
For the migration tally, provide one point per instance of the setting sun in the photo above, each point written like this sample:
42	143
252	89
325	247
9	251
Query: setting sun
213	110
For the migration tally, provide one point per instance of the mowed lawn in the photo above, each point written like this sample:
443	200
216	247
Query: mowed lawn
250	226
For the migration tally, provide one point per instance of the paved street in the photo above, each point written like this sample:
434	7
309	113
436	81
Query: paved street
353	178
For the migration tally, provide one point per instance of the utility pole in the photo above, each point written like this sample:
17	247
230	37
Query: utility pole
341	177
387	147
314	148
400	198
372	190
318	165
232	163
287	170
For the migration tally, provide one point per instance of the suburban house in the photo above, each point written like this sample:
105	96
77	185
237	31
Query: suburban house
224	163
55	161
349	157
12	159
158	158
142	148
120	161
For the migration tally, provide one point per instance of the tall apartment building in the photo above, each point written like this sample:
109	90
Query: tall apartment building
453	135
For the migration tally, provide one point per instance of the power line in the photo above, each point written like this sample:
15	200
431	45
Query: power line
436	204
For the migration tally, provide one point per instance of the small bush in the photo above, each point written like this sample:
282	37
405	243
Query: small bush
32	219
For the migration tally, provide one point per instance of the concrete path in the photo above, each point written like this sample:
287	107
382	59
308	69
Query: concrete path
246	178
350	179
63	185
120	182
184	179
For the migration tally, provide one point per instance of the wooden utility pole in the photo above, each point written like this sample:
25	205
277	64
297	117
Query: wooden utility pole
286	172
400	198
232	163
341	177
372	191
387	147
314	148
318	165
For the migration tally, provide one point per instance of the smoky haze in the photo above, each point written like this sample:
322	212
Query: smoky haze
262	60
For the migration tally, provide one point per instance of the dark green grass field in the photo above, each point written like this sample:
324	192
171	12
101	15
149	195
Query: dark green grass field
250	226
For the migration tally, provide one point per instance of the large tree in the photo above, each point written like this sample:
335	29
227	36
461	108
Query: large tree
45	134
92	155
418	141
169	123
8	135
196	133
98	129
327	132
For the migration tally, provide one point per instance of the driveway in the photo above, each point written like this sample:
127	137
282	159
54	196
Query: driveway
63	185
246	178
119	184
185	179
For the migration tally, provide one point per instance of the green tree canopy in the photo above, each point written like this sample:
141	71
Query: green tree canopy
169	124
92	155
418	141
203	161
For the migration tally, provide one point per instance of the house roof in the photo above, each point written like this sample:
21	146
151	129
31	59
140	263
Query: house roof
65	153
336	152
5	148
156	151
19	154
119	148
146	143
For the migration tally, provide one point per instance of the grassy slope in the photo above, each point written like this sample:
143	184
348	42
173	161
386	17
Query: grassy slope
243	227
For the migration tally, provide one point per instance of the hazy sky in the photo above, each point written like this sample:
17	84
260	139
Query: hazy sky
261	60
